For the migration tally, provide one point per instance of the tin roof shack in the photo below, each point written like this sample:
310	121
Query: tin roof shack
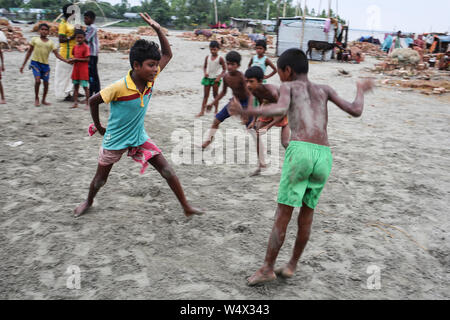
243	25
290	35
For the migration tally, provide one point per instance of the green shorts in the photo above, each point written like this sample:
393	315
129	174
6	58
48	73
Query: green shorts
305	172
82	83
210	81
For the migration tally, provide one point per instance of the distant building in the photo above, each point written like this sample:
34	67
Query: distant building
131	15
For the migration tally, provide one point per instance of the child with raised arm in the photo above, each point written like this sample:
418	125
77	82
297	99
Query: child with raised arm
308	159
41	47
80	72
2	94
236	81
261	60
265	94
129	99
212	68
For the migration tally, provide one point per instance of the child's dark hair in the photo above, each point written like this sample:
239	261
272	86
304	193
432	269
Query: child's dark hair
43	25
90	14
255	72
65	8
144	50
294	58
261	43
79	31
233	56
214	44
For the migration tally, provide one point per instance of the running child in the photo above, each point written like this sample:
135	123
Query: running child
265	94
2	94
80	73
214	63
261	60
92	40
308	159
236	81
129	98
41	47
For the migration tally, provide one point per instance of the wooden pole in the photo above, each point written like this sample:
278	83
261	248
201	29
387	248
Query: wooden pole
303	27
278	14
284	9
215	10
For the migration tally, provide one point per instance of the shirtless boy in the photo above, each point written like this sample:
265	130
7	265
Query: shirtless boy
265	94
308	159
236	81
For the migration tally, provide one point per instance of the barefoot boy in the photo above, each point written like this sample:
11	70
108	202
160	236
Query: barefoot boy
308	158
212	68
129	99
265	94
41	47
80	73
236	81
261	60
92	40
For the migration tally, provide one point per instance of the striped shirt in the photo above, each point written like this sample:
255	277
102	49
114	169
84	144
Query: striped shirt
92	39
128	107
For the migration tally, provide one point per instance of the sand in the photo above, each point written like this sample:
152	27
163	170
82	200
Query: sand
386	203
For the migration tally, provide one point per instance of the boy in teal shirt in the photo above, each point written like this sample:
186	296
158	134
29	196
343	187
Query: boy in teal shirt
129	98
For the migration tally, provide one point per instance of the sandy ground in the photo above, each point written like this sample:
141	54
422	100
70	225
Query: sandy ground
386	203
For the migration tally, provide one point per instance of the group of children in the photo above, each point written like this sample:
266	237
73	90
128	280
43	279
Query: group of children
308	158
82	55
298	106
249	88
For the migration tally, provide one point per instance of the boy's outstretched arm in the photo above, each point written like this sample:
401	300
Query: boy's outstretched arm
219	97
94	102
280	108
356	107
59	56
165	46
27	56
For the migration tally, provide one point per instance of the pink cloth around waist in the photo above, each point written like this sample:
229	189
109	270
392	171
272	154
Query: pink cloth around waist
141	154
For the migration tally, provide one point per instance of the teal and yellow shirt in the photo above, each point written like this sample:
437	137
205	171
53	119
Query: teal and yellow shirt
128	107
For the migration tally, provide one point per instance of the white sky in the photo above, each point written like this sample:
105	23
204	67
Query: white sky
387	15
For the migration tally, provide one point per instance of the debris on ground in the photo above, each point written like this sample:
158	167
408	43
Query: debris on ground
53	32
427	87
367	48
228	38
148	31
116	41
14	39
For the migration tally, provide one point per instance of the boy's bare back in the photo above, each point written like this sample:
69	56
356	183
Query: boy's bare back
308	112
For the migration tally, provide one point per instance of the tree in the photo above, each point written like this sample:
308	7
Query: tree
180	11
159	10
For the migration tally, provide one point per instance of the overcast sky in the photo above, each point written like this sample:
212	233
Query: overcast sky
387	15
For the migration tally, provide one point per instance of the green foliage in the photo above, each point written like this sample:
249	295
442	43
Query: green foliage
186	13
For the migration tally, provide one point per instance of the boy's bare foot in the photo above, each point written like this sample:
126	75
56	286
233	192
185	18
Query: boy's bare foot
37	103
201	114
46	103
258	171
191	211
207	143
285	272
81	209
2	101
74	106
86	107
261	277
